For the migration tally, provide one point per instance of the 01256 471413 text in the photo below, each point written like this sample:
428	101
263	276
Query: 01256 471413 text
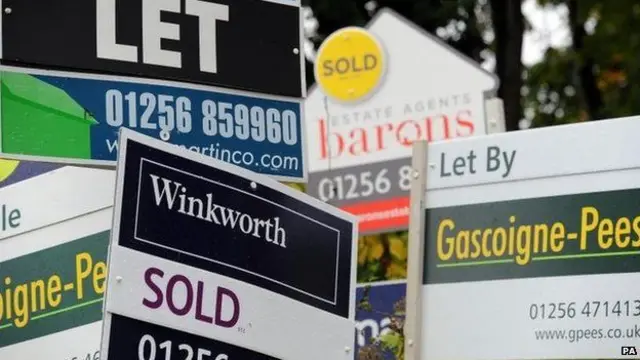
585	309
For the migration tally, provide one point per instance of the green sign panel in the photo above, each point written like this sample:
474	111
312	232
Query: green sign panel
53	290
35	112
579	234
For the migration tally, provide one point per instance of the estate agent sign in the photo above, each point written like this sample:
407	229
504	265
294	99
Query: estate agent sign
251	45
526	245
213	259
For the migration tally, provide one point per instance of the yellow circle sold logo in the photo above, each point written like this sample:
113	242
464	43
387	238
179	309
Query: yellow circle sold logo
350	64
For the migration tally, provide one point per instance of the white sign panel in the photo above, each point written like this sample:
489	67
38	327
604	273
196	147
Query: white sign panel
528	245
37	194
223	262
359	152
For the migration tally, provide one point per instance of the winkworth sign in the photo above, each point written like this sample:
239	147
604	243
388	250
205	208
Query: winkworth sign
53	115
223	261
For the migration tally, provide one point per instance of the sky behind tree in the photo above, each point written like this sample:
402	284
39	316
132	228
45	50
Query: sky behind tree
548	29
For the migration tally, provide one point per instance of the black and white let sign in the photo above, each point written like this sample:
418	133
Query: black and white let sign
249	45
241	261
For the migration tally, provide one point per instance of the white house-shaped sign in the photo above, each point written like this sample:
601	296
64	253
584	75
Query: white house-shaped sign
359	154
430	91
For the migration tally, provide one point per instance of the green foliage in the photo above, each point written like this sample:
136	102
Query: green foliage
391	341
394	342
593	80
382	257
550	91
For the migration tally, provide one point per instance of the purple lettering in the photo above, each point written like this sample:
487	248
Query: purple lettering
156	290
222	294
199	295
236	307
170	287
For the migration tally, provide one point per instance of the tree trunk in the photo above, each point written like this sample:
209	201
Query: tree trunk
508	25
586	83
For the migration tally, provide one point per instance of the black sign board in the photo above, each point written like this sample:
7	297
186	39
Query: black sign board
243	44
139	340
220	221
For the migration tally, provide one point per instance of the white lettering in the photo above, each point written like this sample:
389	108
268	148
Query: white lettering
230	217
154	30
375	329
270	230
207	13
211	207
106	45
166	191
112	145
246	223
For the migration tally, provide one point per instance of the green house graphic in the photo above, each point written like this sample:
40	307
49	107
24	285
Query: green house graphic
41	119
